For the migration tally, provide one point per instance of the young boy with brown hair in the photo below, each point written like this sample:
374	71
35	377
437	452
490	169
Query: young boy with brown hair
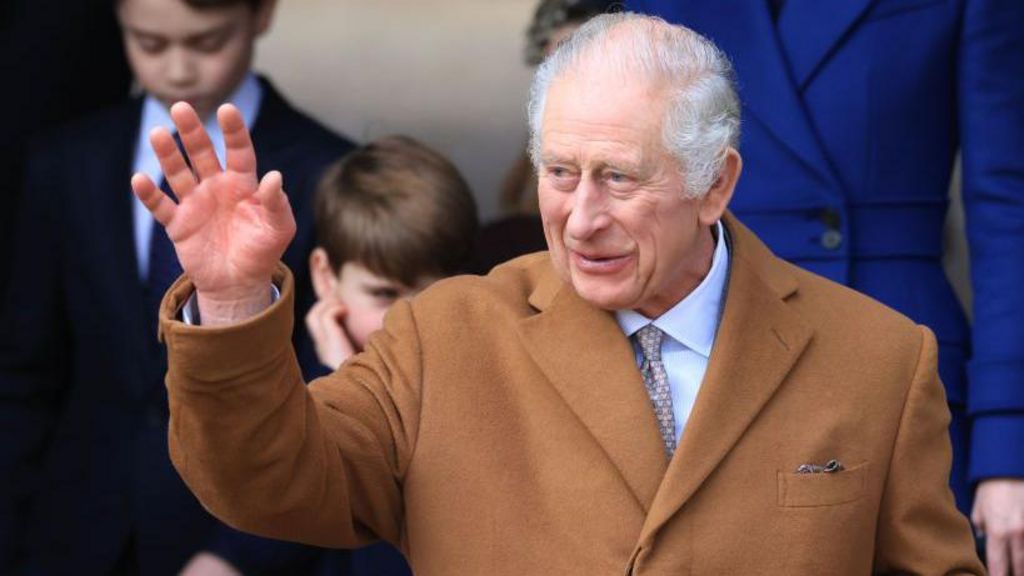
391	218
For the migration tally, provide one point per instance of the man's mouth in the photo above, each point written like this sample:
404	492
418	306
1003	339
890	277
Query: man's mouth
597	263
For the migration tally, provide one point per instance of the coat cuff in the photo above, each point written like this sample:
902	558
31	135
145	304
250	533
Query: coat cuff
994	387
997	447
190	311
216	353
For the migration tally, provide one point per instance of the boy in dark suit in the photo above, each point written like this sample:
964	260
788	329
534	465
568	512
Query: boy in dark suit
85	478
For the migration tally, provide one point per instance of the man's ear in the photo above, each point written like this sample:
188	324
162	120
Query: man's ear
323	277
714	203
265	16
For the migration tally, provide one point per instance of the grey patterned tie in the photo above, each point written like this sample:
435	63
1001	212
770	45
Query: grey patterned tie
656	382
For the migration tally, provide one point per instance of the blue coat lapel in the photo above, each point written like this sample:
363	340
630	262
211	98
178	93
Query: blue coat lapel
745	31
810	30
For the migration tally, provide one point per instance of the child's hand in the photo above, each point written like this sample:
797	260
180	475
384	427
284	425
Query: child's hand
324	323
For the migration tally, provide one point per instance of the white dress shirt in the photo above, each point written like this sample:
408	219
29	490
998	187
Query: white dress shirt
689	328
247	98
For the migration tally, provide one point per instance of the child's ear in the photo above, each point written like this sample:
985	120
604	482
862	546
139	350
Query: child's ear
324	278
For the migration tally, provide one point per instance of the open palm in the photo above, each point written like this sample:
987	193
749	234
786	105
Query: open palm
229	229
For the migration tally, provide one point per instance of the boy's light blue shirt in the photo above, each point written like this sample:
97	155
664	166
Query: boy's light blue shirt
247	97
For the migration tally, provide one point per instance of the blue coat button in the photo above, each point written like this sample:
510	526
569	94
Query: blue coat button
831	239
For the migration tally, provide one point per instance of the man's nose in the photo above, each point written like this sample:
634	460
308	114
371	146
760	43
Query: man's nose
589	210
181	67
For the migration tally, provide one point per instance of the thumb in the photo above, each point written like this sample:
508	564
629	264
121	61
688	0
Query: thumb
270	192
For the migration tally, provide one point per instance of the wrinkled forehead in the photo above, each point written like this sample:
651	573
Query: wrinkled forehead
604	101
617	74
605	86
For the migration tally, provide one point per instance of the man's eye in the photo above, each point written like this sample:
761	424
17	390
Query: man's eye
617	177
561	177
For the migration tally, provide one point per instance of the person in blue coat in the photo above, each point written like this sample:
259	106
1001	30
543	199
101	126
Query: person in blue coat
855	112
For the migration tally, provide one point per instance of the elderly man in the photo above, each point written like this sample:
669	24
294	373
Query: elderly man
658	394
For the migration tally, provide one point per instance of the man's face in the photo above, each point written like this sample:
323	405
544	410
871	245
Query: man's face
618	224
367	297
180	53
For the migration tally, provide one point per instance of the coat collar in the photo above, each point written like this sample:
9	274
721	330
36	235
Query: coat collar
810	30
584	354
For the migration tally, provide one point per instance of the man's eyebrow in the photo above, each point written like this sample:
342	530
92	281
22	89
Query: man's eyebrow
550	158
630	166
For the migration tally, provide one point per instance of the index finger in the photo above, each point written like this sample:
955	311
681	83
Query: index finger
241	157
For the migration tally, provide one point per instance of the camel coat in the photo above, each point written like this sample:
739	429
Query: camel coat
499	425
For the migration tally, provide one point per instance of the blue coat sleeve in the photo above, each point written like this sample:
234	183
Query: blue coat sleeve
991	115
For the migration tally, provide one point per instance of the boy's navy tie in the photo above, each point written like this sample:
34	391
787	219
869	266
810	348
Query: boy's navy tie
164	267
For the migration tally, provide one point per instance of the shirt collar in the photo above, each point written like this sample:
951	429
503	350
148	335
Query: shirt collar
693	321
247	97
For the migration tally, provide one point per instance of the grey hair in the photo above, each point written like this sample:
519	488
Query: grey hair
703	114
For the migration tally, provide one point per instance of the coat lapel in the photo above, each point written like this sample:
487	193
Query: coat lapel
106	200
758	343
584	354
809	30
745	31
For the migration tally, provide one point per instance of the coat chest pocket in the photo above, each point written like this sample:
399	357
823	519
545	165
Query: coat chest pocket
821	489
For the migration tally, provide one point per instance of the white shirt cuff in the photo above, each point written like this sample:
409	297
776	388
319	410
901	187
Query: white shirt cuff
190	311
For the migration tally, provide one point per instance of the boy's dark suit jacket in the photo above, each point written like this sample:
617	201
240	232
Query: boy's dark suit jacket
83	456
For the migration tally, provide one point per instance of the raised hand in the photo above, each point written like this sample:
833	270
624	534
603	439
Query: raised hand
229	229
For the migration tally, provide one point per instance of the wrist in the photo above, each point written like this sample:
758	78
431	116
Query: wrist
220	309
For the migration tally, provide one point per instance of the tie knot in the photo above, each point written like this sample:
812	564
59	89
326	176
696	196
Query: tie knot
650	337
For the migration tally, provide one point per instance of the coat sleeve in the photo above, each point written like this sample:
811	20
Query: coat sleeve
991	111
266	455
311	148
920	530
33	347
